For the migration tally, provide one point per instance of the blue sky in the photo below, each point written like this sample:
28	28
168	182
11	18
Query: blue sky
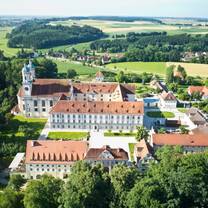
177	8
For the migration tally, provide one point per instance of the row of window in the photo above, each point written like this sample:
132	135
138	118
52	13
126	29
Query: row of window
48	170
92	127
43	103
94	116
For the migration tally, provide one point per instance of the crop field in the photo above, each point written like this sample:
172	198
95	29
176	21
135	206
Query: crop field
193	69
112	27
158	68
3	42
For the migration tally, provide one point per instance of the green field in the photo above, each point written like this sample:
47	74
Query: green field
139	67
3	42
159	114
63	66
158	68
68	135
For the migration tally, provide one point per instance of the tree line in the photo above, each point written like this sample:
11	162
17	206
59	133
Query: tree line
178	180
155	46
39	34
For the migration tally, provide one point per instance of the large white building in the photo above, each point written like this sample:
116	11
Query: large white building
56	158
96	115
36	97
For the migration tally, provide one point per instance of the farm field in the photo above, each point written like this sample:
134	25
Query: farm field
193	69
159	68
112	27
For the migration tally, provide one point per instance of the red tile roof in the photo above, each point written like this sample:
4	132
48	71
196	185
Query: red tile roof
202	89
168	96
66	106
180	139
97	154
55	152
142	149
99	74
57	87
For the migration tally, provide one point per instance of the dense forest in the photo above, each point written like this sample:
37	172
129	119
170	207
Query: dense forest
154	46
178	180
39	34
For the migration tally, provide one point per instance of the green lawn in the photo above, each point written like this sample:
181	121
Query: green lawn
79	68
182	110
68	135
139	67
131	150
118	134
159	114
12	128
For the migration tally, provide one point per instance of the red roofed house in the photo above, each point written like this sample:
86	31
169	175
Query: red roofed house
53	157
96	115
107	156
36	97
168	100
190	143
99	77
203	90
143	154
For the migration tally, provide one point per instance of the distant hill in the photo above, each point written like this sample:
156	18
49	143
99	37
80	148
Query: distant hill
39	34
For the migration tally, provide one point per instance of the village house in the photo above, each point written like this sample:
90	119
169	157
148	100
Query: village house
203	90
99	77
107	156
168	100
196	117
143	154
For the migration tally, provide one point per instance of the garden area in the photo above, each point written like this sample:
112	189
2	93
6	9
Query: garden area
119	134
160	114
16	132
77	136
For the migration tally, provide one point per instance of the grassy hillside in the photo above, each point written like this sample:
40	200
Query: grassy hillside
63	66
3	42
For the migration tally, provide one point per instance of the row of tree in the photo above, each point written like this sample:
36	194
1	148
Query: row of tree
176	181
153	46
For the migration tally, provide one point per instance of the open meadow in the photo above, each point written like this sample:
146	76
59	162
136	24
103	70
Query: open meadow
3	42
112	27
158	68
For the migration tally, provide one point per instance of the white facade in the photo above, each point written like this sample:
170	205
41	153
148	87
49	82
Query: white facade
95	121
34	171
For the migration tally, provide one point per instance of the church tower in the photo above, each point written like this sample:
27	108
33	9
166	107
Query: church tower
28	76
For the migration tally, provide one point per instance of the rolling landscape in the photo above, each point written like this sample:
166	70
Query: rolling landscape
103	104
